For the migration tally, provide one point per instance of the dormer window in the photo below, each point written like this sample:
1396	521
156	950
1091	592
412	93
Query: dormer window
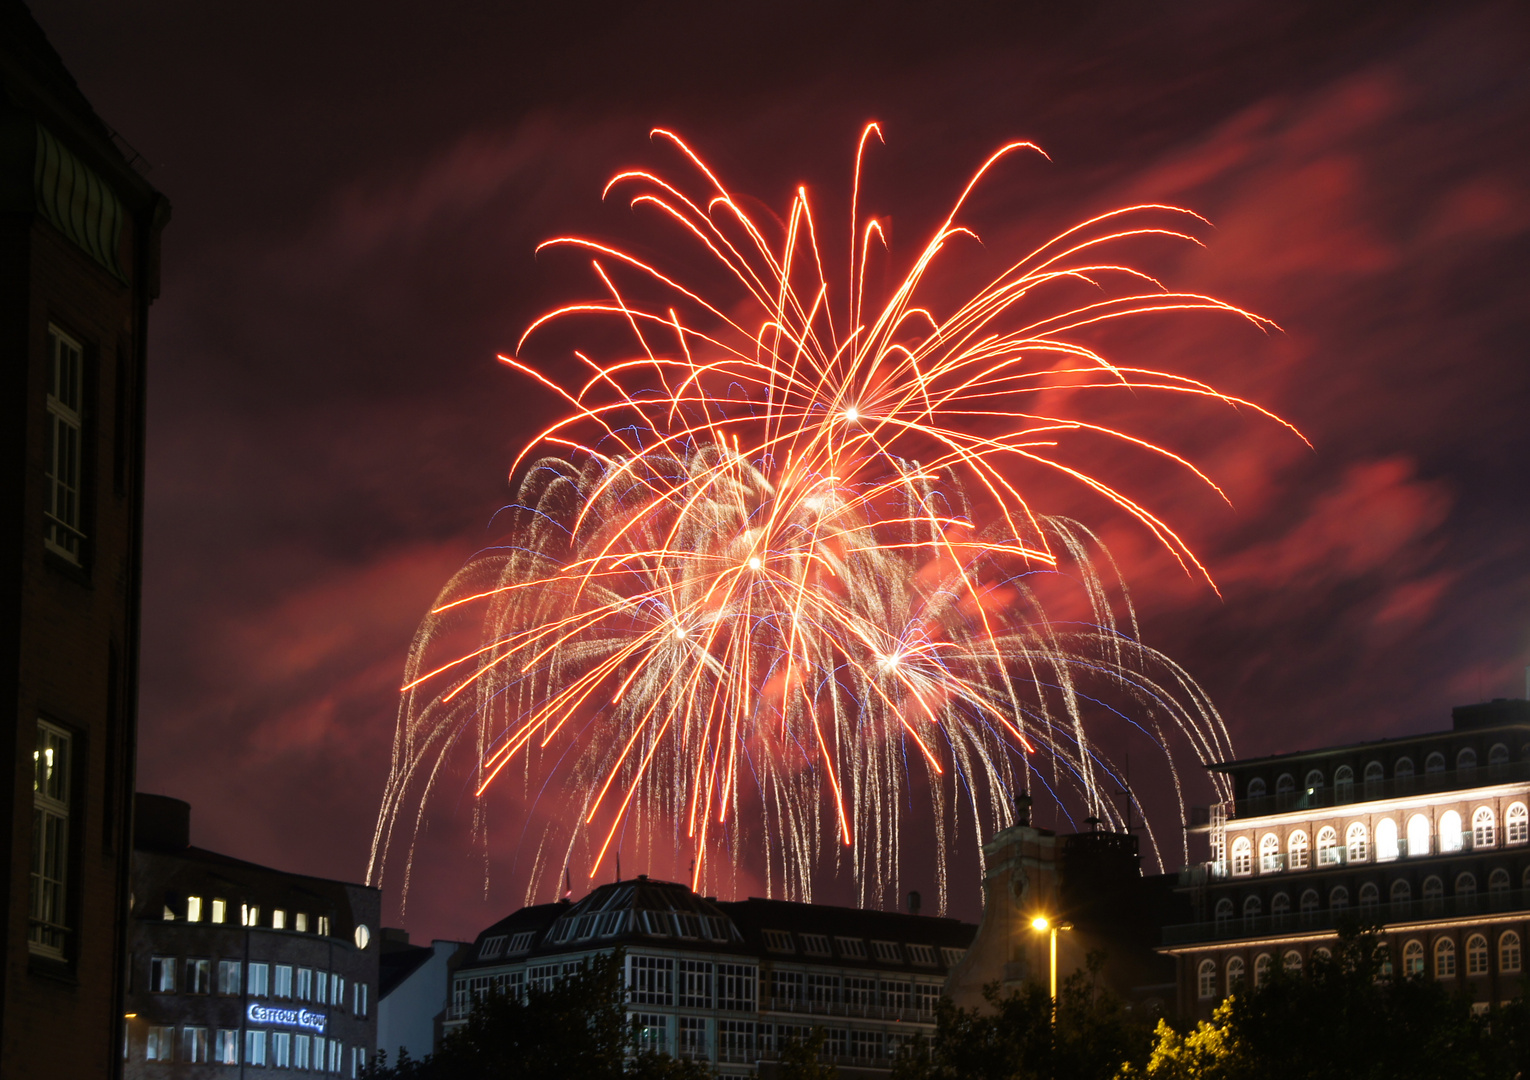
520	942
492	947
193	909
219	910
887	952
815	944
852	948
778	941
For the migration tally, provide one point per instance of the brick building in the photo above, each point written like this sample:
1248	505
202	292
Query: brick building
79	266
1427	836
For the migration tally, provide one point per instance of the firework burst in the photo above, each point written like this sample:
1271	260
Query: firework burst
774	571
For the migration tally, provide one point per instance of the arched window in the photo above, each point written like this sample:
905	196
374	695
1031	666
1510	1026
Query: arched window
1242	857
1370	899
1418	835
1499	755
1517	822
1434	763
1285	785
1484	834
1280	908
1206	980
1375	776
1309	905
1327	845
1383	956
1264	962
1524	881
1413	958
1403	770
1269	853
1386	840
1343	784
1235	970
1292	961
1224	913
1450	831
1466	760
1338	899
1296	848
1401	892
1508	952
1476	955
1356	842
1498	888
1444	958
1314	780
1434	896
1466	892
1256	788
1252	909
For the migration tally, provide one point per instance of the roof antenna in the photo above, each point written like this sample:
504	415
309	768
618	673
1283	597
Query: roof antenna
618	866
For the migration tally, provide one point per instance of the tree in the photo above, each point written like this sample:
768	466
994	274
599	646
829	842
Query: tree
799	1058
577	1027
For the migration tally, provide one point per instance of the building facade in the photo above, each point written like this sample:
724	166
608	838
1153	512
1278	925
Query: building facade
239	970
413	993
1427	837
79	266
725	982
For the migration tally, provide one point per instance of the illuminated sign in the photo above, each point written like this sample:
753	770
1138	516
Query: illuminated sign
264	1014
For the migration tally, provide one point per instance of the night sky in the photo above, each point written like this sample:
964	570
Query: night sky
358	189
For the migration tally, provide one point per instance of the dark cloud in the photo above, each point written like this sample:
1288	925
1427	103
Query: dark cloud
358	192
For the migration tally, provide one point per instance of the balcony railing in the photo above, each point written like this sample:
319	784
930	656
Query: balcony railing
1404	911
1369	791
809	1007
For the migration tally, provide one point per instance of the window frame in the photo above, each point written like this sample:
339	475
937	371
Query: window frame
50	899
70	417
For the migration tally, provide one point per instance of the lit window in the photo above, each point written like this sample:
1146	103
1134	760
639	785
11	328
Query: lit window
1386	840
1264	965
168	914
250	914
281	983
162	975
1328	846
305	984
1235	970
1269	854
1476	955
1413	958
1418	836
260	980
278	919
226	1047
300	922
255	1047
47	931
1296	847
1518	822
1508	953
321	987
300	1051
1357	842
1291	962
1207	980
194	1045
1242	856
281	1049
193	909
161	1043
198	976
228	976
1444	958
1450	831
1484	833
62	531
324	925
219	910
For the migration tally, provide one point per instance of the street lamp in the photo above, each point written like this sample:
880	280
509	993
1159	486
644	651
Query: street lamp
1042	925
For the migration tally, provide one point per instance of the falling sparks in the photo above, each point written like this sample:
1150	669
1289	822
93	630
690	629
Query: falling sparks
775	561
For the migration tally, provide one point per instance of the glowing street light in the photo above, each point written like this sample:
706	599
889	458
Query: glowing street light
1042	925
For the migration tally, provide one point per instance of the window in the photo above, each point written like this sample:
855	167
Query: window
1256	788
923	955
1343	784
1517	821
278	919
282	983
652	1032
228	976
198	976
786	988
815	944
1499	755
735	1041
1242	856
852	948
1484	833
520	943
1403	770
693	1037
1434	896
162	974
281	1049
1206	980
336	988
1314	781
1296	848
1413	958
249	915
1223	914
1370	900
1386	840
161	1043
1280	908
193	909
895	994
1450	831
1508	953
304	984
737	986
1309	904
1338	899
492	947
1466	893
887	952
62	526
1269	853
300	922
1328	846
1444	959
1321	954
1291	962
1498	888
359	999
219	910
1476	955
1234	973
226	1047
1418	835
1356	842
778	941
926	996
259	980
1375	776
255	1047
1383	957
650	980
822	989
1285	785
300	1051
860	993
1264	964
1434	763
951	956
695	983
324	925
1466	760
1402	892
1251	912
48	930
194	1045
